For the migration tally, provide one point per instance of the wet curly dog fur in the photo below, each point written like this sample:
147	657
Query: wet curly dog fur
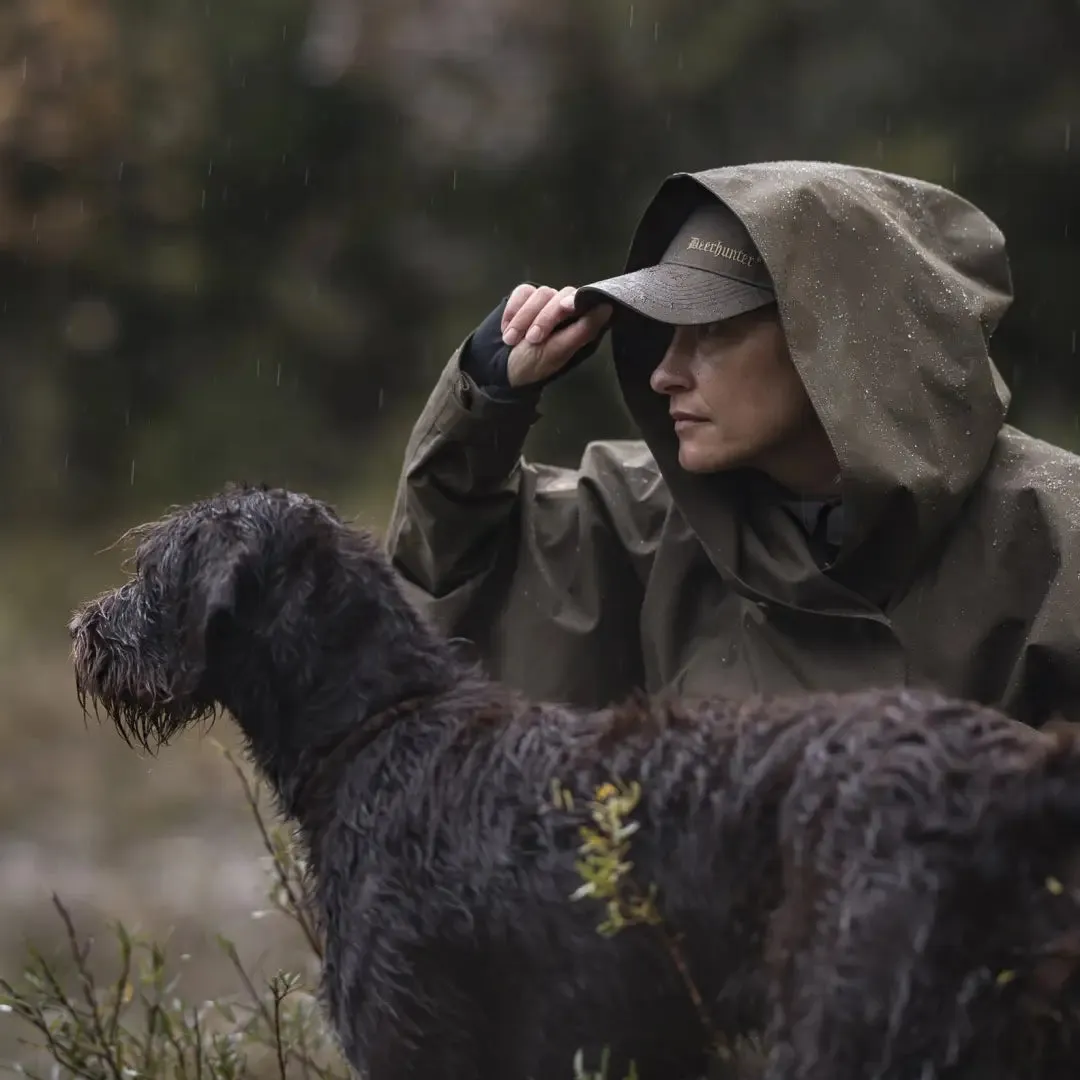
883	884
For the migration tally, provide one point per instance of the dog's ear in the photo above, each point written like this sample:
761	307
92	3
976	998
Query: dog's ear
217	557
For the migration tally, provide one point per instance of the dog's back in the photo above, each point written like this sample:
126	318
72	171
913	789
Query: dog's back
893	848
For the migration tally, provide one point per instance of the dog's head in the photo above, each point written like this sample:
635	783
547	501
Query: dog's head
225	594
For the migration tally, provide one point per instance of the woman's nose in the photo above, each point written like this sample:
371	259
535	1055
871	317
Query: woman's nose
670	375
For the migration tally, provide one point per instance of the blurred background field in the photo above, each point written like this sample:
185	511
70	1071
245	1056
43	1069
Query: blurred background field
239	238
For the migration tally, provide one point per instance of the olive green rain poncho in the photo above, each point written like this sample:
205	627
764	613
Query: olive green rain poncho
960	558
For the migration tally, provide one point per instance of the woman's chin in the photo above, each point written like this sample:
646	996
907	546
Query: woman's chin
691	458
701	451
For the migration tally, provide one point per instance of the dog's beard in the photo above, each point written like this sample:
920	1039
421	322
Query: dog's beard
149	726
145	710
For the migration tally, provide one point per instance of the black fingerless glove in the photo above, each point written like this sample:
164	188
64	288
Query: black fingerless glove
485	355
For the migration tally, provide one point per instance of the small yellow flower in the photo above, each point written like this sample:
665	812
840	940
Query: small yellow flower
606	791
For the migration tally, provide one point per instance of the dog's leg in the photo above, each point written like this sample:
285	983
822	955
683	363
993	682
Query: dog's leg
855	999
403	1017
873	974
437	1051
903	973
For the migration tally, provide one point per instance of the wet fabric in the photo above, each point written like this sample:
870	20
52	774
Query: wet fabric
957	563
710	271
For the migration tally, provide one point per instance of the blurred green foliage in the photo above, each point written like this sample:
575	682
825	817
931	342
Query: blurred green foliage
136	1021
238	238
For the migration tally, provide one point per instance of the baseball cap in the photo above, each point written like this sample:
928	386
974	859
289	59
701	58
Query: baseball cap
710	271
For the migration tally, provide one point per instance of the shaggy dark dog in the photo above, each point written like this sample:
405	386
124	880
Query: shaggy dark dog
884	884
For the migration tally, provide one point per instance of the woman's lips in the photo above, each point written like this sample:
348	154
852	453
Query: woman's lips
685	421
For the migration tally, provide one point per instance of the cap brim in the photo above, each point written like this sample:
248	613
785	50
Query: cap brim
679	295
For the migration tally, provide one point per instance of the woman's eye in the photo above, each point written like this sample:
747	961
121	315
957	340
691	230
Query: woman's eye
710	331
